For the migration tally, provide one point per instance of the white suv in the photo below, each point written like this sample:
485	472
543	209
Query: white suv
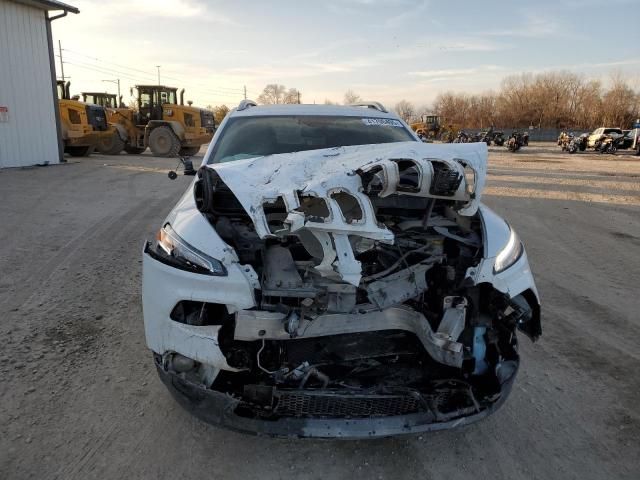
600	133
329	275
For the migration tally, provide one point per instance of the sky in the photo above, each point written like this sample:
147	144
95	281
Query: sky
384	50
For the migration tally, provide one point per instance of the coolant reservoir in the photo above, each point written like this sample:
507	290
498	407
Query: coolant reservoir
479	350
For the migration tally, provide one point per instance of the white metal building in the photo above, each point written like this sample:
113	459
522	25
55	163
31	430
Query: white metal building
29	128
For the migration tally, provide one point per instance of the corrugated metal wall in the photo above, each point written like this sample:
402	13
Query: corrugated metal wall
29	137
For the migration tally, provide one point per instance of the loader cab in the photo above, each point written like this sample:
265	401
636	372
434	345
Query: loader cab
150	100
107	100
433	120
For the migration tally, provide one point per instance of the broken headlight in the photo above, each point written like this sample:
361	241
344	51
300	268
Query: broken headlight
509	254
171	249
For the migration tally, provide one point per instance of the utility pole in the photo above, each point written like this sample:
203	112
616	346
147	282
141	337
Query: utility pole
158	67
245	92
61	62
117	82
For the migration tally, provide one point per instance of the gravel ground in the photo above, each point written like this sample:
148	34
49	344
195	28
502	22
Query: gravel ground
79	397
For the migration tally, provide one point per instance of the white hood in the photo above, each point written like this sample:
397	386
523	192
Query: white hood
324	173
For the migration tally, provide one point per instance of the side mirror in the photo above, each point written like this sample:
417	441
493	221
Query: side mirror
187	166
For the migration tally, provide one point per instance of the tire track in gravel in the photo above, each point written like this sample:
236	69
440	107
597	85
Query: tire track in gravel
128	229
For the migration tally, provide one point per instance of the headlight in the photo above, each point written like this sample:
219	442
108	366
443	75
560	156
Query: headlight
509	254
174	251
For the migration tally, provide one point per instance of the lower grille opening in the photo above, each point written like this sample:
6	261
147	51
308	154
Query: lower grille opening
335	405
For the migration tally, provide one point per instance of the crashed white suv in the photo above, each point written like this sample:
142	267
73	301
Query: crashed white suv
329	275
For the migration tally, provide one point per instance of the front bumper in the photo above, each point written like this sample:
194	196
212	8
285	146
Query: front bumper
219	409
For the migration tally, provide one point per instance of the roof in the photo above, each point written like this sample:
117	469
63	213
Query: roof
159	87
48	5
304	109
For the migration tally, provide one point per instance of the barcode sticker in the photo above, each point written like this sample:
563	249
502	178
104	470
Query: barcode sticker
381	122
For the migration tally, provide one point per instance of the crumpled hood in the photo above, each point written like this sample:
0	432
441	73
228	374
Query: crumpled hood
344	178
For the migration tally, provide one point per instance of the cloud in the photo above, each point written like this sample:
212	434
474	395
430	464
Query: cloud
454	72
534	26
400	19
461	43
143	9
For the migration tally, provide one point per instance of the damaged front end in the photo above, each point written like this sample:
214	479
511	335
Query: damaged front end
368	298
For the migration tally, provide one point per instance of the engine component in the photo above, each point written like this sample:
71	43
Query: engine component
453	319
399	287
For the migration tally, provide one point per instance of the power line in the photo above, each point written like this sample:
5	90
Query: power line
101	70
225	94
137	79
146	72
218	89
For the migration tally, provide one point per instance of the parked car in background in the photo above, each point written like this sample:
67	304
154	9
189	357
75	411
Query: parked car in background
600	133
631	140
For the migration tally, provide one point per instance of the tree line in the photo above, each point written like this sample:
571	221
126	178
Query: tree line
562	100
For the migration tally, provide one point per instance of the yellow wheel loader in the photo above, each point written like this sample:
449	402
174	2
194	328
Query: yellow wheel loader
117	116
428	126
167	127
84	126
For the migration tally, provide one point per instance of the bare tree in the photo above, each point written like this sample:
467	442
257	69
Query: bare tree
351	97
292	96
405	110
619	104
550	99
275	93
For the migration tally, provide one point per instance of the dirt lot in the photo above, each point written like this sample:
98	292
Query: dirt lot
79	396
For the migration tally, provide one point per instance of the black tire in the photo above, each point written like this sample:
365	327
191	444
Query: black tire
112	145
134	150
189	151
163	142
79	151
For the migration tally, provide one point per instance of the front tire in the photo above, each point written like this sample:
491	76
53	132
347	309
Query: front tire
134	150
79	151
189	151
163	142
112	145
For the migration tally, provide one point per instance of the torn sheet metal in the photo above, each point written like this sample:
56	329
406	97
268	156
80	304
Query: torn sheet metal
337	175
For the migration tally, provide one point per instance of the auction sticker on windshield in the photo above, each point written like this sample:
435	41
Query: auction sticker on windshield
382	122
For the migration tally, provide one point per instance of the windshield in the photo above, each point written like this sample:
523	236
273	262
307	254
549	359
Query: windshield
168	96
257	136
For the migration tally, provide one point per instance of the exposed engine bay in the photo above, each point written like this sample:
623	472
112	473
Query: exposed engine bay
363	302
